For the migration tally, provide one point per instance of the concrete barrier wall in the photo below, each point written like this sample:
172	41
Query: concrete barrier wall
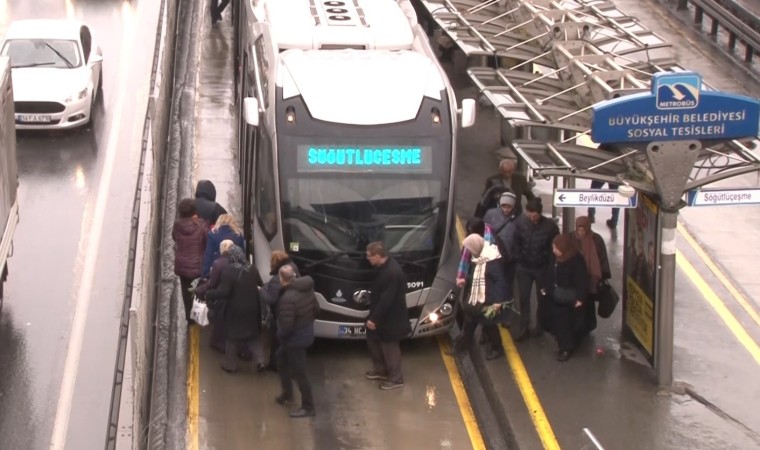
144	326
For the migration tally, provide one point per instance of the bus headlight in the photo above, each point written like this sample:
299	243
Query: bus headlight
446	309
433	317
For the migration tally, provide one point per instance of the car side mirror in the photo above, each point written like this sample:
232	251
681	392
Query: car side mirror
467	113
251	111
96	58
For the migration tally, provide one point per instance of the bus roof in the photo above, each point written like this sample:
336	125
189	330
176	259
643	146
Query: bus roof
338	24
388	86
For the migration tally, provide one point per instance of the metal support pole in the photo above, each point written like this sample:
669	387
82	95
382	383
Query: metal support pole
568	214
663	351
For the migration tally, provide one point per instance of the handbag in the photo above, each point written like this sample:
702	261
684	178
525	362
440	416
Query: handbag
199	312
564	296
608	300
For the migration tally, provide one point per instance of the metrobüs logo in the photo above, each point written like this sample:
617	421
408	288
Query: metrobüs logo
677	90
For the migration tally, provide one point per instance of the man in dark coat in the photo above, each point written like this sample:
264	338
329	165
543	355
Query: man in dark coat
388	320
241	315
189	235
296	312
505	180
533	245
205	202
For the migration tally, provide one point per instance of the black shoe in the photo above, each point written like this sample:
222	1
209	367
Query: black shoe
387	385
283	400
228	370
493	354
563	356
611	223
301	413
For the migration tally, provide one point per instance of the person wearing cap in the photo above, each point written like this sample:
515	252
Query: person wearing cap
533	248
503	223
506	179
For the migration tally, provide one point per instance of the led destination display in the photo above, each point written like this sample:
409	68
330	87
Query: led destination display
395	159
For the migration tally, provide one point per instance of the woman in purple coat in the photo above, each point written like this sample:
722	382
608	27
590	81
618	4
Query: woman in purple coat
189	235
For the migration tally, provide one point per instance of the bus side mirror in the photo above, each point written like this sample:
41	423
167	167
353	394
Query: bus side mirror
251	111
467	113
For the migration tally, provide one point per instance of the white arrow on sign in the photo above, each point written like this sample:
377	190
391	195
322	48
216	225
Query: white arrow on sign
718	197
569	198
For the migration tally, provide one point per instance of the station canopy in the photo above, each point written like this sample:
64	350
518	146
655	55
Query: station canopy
544	64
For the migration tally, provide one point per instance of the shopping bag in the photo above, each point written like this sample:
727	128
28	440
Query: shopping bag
608	300
199	312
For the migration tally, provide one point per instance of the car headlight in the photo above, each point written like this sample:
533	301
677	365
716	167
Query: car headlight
79	96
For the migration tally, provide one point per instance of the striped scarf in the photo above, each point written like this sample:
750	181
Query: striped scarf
478	289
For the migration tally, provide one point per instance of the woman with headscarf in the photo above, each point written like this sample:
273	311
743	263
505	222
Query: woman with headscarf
241	315
594	251
566	294
487	286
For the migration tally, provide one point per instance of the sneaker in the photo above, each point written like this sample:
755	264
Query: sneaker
372	375
283	400
301	413
391	385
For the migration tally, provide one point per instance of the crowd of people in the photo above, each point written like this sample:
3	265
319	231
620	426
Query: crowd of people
244	311
508	251
507	254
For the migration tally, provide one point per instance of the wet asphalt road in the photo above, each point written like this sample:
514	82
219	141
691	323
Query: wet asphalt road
58	327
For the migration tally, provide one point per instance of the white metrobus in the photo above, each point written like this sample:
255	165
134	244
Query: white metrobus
347	135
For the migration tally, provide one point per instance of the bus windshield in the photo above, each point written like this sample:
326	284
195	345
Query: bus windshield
337	198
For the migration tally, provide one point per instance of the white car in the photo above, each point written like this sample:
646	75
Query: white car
57	73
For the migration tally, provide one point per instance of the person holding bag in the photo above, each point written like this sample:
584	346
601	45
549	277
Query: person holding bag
594	251
565	295
241	316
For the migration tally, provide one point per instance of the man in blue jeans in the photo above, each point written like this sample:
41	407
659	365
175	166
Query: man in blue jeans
611	222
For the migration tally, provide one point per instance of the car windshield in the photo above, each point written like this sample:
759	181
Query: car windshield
48	53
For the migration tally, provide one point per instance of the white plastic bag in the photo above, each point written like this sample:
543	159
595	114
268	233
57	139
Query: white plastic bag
199	312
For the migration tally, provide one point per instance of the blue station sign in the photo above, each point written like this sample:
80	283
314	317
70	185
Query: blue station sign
676	109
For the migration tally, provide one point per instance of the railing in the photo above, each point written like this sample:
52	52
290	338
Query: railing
741	25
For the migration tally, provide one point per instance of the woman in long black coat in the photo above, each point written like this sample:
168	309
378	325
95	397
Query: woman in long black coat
566	295
241	315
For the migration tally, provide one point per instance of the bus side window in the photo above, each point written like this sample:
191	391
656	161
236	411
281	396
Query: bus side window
265	207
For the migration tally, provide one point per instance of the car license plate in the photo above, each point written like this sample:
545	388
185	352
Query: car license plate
351	331
32	118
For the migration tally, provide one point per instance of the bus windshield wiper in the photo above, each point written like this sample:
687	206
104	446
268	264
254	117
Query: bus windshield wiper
60	55
331	258
37	64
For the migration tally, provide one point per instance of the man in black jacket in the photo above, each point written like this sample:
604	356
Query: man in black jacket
388	320
205	202
296	312
533	242
506	180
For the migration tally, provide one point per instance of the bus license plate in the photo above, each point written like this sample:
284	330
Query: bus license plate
33	118
350	331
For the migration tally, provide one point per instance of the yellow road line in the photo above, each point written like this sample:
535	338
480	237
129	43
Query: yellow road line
461	395
707	260
719	307
520	374
193	388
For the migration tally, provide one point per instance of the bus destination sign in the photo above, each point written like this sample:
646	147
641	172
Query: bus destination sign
389	159
676	109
